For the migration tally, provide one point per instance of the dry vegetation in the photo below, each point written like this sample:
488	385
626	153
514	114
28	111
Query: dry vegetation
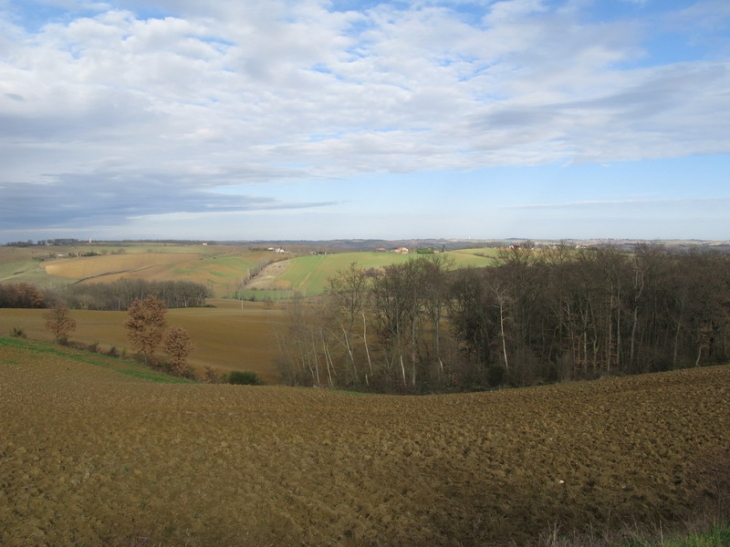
104	266
231	336
108	459
224	269
220	268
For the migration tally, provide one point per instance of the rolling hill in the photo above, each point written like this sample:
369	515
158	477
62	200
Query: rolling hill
114	458
225	270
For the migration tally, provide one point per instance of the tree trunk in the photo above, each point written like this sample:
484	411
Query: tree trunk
365	340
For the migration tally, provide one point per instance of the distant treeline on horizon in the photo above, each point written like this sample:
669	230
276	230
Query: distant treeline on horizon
117	295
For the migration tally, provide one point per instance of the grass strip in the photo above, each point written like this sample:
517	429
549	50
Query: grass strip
111	363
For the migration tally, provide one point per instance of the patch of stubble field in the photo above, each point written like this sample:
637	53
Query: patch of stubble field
90	457
230	336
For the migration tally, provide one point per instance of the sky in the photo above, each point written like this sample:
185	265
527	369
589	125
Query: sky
347	119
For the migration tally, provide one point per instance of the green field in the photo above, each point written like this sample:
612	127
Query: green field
308	275
223	269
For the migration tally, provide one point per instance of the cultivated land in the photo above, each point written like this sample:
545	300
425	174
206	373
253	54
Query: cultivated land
308	275
230	336
220	268
224	269
93	454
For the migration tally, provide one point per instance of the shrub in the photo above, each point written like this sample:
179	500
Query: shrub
18	332
60	323
211	376
146	325
244	378
496	374
178	346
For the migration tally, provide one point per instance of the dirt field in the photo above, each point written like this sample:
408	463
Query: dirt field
90	457
230	336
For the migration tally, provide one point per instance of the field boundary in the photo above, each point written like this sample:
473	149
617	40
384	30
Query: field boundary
126	368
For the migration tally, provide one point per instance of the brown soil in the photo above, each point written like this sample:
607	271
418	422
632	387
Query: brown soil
232	336
88	457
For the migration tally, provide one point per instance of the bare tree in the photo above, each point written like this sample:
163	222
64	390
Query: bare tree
178	346
59	322
146	324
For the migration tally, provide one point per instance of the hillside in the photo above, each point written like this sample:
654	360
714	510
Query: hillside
220	268
112	459
225	269
230	336
308	275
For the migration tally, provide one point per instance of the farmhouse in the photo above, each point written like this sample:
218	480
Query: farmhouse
401	251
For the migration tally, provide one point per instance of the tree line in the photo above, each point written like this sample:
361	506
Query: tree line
146	327
118	295
536	316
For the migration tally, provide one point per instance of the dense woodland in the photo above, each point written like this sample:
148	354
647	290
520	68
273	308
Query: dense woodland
537	316
118	295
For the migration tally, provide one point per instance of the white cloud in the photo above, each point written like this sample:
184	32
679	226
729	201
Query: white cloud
225	92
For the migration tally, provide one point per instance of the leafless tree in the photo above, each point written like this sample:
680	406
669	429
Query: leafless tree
146	325
59	322
178	346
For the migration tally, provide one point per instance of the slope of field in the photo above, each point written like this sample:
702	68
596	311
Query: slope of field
308	275
221	268
475	254
23	265
230	336
114	370
90	457
99	266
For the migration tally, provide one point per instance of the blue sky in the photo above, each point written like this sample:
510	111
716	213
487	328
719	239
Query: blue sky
314	119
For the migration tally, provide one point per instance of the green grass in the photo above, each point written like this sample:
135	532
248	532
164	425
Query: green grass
28	271
122	367
719	536
308	275
474	257
15	268
222	268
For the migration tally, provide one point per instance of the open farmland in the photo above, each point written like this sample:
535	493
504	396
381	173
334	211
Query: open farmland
230	336
220	268
223	269
91	456
308	275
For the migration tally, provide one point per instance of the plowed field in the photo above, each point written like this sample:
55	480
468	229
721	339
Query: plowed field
92	457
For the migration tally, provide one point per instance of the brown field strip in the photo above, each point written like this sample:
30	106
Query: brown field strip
90	458
220	268
95	266
230	336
